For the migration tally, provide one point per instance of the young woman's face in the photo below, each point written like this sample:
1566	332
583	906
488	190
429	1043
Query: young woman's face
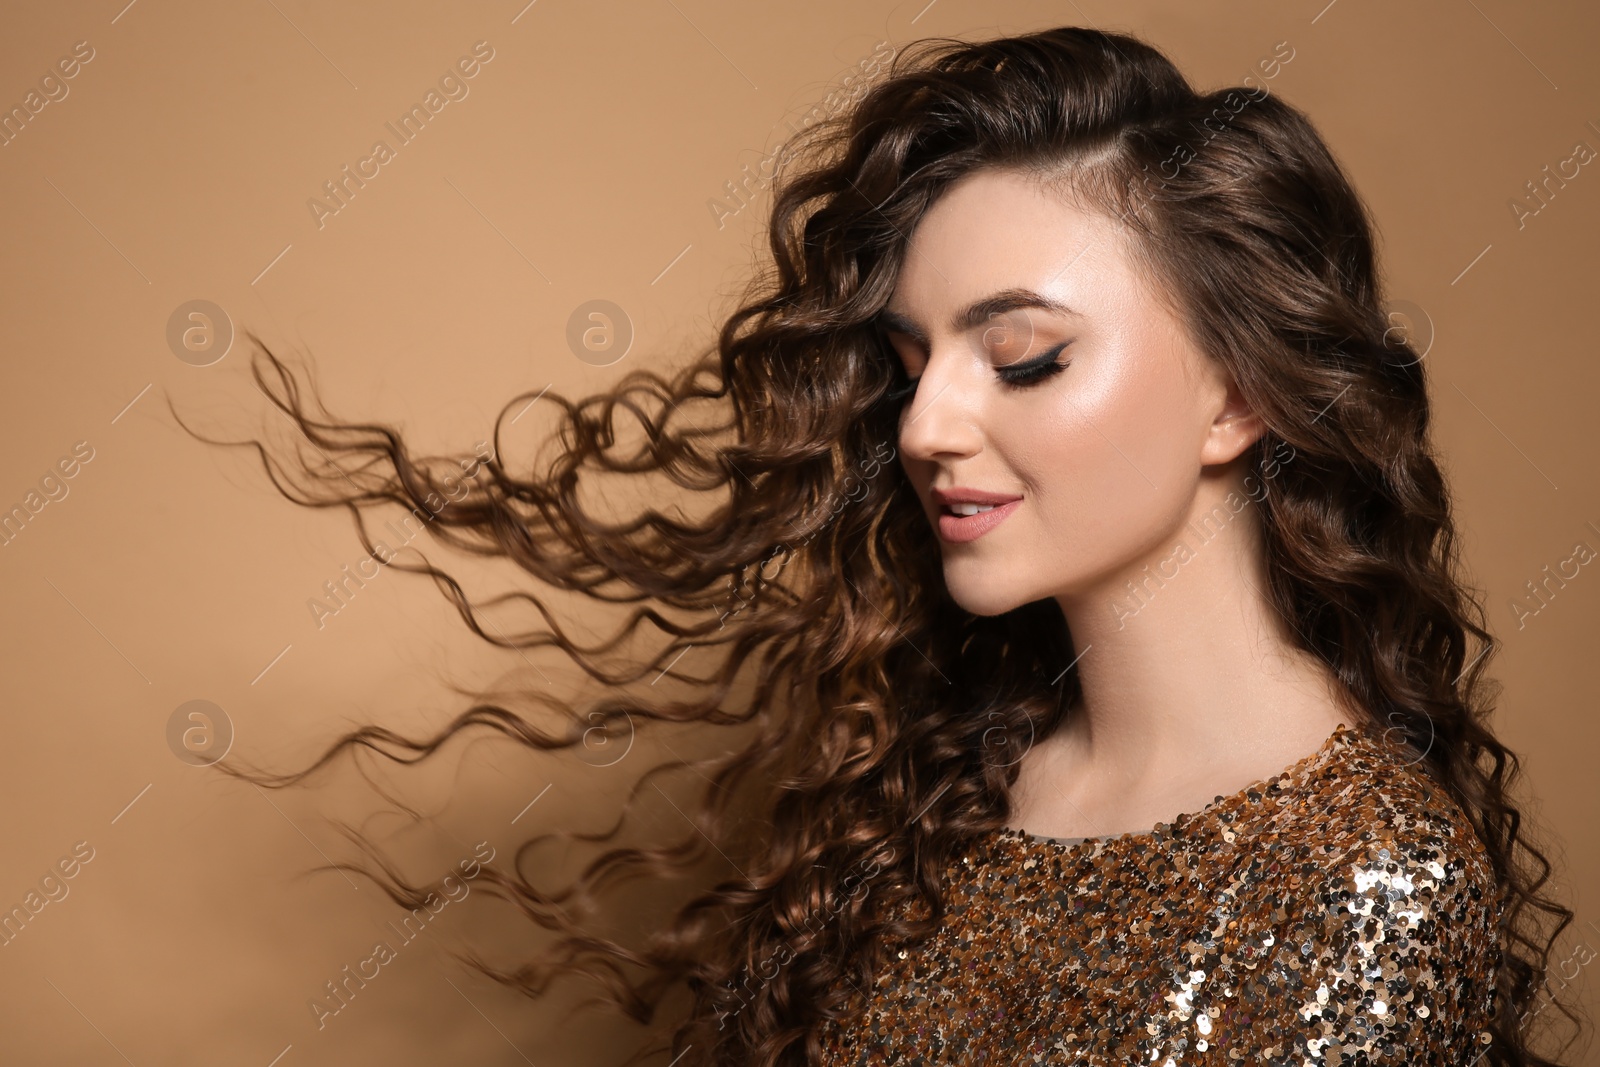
1054	389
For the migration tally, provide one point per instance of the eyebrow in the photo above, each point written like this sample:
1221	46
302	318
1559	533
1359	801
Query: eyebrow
978	312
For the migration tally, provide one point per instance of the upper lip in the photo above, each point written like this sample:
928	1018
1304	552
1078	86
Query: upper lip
963	495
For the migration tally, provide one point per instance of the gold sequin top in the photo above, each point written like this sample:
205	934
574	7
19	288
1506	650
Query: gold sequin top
1342	911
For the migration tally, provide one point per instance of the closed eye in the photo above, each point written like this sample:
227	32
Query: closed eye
1017	375
1030	371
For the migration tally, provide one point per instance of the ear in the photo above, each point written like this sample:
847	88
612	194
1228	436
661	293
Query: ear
1235	428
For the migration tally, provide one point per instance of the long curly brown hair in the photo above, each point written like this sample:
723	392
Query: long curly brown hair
780	582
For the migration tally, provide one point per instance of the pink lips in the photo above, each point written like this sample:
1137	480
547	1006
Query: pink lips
962	528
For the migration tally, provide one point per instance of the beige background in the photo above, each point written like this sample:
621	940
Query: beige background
580	166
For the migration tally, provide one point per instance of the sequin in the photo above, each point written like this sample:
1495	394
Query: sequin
1342	911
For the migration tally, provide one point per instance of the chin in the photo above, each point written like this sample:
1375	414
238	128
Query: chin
986	594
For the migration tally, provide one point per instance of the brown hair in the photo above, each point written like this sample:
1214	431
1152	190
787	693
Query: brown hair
874	725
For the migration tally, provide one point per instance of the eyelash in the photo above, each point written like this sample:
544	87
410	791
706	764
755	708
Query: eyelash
1016	375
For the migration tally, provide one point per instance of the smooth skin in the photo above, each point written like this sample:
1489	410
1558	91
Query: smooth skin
1197	693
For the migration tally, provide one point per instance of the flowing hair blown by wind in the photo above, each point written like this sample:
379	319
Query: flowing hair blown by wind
875	725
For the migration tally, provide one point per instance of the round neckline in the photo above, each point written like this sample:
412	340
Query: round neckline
1250	794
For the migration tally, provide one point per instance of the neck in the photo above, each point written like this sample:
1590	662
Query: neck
1182	657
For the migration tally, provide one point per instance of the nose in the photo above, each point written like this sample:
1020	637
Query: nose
939	422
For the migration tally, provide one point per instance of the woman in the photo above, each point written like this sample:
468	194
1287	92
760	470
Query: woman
1054	535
